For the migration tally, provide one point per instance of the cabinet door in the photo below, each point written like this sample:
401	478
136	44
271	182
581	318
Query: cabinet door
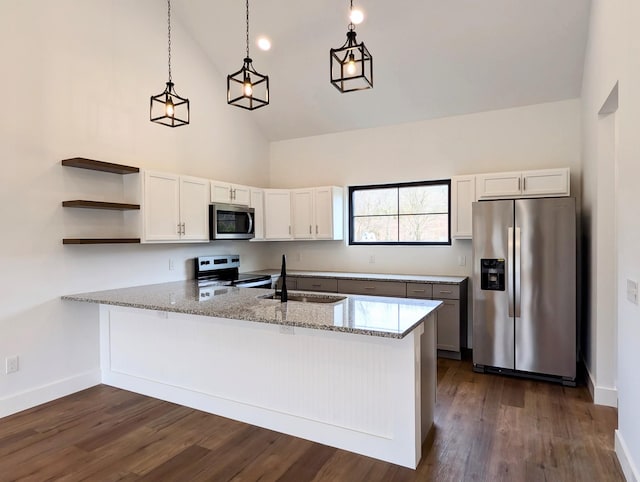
277	214
241	195
463	195
302	213
194	208
161	208
257	203
324	213
546	182
498	185
449	325
220	192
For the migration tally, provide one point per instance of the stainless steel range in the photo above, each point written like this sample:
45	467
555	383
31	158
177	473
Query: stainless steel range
217	271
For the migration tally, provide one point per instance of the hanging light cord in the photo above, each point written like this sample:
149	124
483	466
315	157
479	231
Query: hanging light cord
169	34
247	28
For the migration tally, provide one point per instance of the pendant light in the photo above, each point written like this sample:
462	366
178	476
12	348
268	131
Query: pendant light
168	108
351	66
247	88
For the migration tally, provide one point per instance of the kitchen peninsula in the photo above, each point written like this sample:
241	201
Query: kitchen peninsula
354	372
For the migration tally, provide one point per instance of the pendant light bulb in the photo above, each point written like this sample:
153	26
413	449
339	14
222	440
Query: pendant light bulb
351	65
169	107
247	88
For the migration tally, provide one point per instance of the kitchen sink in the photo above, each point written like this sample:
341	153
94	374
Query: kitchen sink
307	298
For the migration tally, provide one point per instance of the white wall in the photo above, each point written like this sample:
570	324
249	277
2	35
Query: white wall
533	137
77	80
612	53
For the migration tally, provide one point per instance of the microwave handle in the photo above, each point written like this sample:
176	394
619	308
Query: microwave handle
250	223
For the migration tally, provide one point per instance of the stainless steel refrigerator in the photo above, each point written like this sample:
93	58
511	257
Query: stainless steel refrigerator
524	287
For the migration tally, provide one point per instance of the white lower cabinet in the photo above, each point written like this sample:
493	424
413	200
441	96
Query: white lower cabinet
175	208
277	214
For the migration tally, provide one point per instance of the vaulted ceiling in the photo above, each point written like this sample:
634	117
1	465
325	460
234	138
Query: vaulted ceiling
432	58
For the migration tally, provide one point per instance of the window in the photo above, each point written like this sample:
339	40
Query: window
405	213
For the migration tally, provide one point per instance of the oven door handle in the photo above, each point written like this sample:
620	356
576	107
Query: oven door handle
263	283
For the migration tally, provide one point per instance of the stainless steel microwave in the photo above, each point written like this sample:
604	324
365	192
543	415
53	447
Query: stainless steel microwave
230	222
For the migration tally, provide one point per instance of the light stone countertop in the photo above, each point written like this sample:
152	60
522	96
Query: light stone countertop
365	315
410	278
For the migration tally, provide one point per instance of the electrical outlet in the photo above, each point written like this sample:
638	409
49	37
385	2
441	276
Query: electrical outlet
171	264
372	259
12	364
462	260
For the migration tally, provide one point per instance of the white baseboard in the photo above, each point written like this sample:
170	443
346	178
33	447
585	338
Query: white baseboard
46	393
601	395
629	468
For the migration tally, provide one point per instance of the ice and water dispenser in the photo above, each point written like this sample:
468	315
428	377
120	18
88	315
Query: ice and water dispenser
492	274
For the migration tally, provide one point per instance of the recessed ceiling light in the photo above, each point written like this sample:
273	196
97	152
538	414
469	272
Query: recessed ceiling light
264	43
356	16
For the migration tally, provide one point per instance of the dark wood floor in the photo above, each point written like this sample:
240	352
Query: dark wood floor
487	427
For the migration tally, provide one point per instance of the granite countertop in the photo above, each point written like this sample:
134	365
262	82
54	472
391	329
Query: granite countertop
365	315
410	278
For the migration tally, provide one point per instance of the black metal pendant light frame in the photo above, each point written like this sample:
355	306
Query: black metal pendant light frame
351	66
247	88
168	108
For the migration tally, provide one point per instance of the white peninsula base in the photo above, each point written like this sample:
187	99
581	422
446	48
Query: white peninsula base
366	394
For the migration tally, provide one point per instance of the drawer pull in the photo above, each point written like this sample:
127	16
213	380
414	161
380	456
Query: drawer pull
369	287
446	291
316	286
417	291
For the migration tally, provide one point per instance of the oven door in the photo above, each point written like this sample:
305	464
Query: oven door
230	222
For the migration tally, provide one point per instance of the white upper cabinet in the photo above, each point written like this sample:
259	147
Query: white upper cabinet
277	214
463	195
257	203
498	185
329	212
546	182
317	213
226	193
302	213
175	208
538	183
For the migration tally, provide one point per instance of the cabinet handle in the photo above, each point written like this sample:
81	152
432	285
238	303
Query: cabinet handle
316	229
184	230
369	287
316	286
309	229
179	228
446	291
518	184
417	291
524	184
289	230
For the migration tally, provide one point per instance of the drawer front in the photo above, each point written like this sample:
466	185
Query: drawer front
419	290
374	288
318	284
291	283
446	292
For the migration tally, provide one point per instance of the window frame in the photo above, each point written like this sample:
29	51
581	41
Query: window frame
399	185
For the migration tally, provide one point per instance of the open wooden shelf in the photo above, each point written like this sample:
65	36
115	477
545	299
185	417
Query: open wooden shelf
101	241
80	203
93	165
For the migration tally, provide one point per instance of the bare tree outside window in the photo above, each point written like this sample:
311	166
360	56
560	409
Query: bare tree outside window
409	213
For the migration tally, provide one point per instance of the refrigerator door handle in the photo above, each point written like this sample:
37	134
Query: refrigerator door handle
510	288
517	272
